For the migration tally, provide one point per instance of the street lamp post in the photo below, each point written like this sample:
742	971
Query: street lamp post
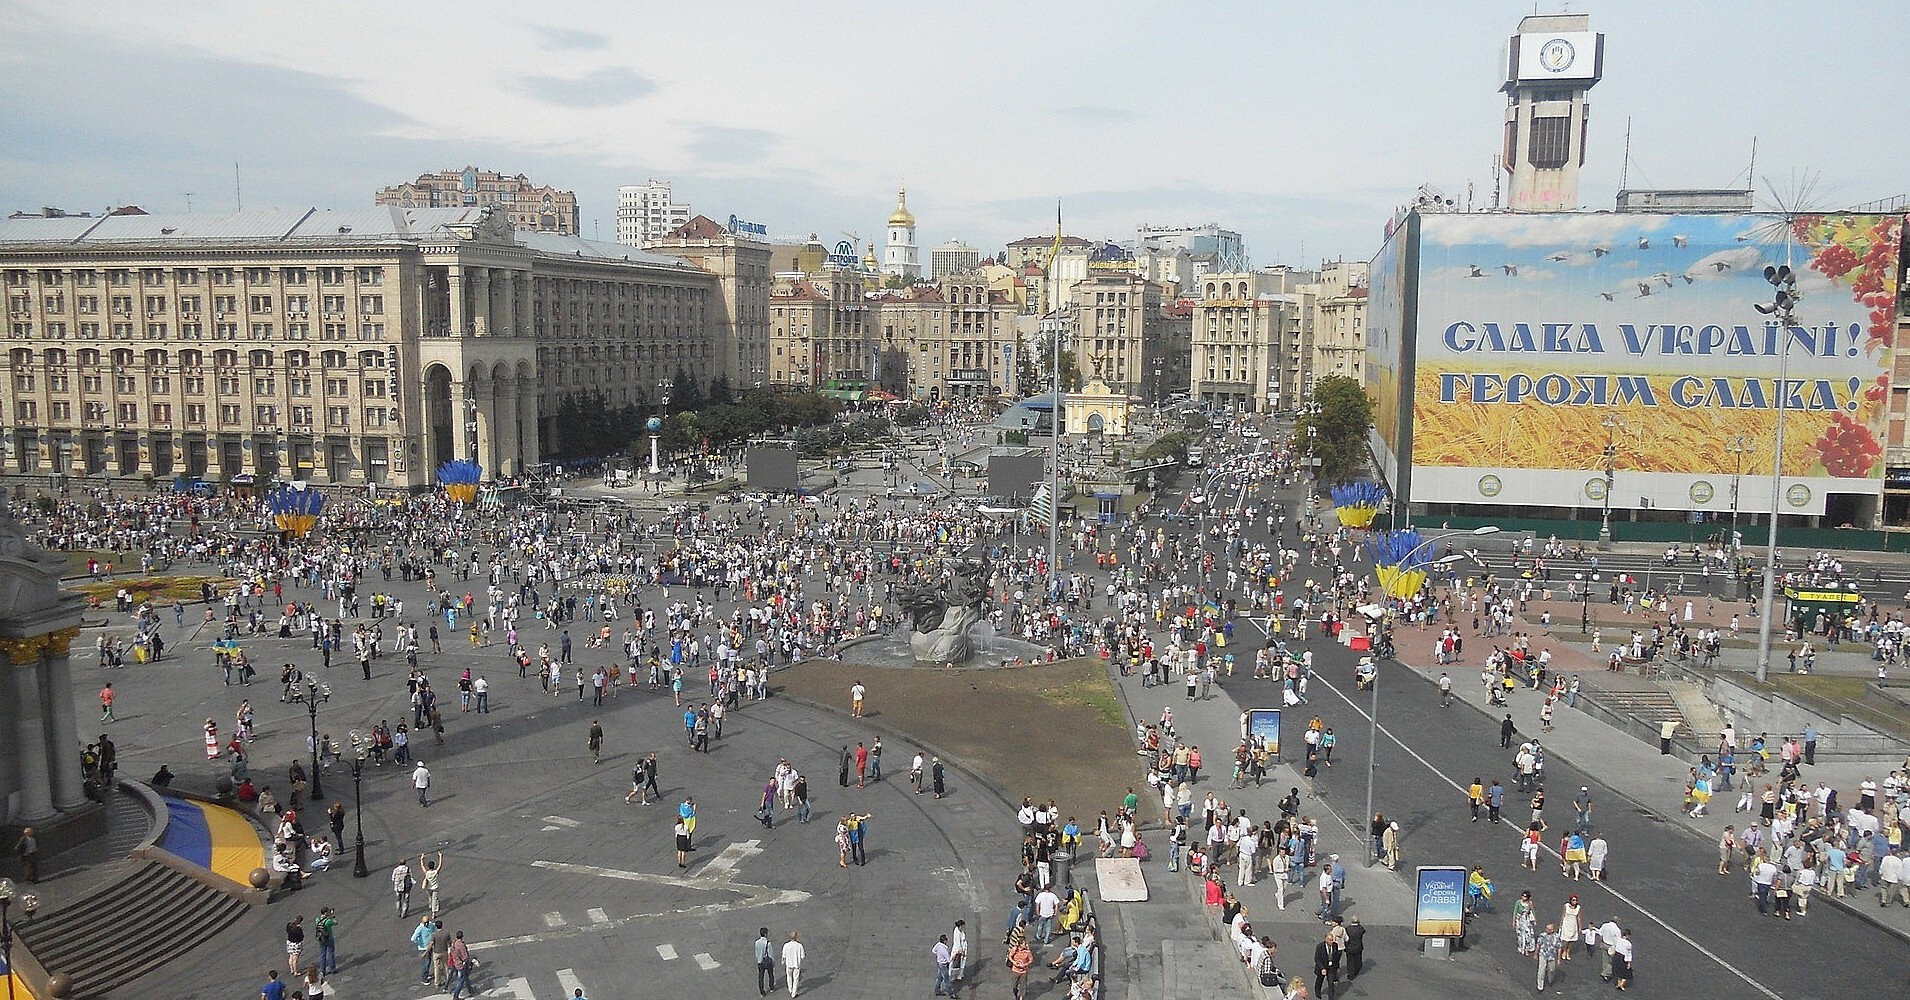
1738	446
1784	281
1611	423
311	707
358	817
471	425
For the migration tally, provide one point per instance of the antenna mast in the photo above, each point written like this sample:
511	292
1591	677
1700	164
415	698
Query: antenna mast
1624	169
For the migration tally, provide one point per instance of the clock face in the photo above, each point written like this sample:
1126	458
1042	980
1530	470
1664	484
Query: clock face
1556	55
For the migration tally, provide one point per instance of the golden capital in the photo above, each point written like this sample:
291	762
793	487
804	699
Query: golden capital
24	650
60	642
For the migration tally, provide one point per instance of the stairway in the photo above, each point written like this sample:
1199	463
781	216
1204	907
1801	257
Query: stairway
129	928
1650	707
1700	716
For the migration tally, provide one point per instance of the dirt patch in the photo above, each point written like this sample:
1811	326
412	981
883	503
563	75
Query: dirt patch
1051	730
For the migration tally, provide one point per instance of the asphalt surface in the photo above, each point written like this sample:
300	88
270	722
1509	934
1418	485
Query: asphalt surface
1695	932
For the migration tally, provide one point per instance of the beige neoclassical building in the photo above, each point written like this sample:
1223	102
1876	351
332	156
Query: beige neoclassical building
342	347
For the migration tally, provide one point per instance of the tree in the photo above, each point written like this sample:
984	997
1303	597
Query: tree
1337	432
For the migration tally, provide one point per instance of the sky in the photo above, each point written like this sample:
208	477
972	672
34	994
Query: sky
1302	126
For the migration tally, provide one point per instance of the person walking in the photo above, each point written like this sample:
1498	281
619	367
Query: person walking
765	962
106	709
958	957
596	742
294	943
421	780
401	888
794	955
421	940
1020	960
942	958
1548	955
856	693
1326	965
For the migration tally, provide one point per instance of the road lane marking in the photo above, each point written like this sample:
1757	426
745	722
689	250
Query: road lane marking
597	915
568	985
559	823
554	920
705	962
666	952
1627	900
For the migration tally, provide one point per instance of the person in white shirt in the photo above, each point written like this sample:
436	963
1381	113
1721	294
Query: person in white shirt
1609	935
958	956
1047	905
421	780
793	957
1890	879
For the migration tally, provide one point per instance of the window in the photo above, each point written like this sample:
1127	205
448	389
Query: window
192	331
51	279
265	414
189	303
86	279
298	331
223	304
26	409
23	381
89	304
228	413
91	383
62	410
371	331
122	331
332	331
299	385
258	275
195	413
375	417
155	331
261	303
337	416
58	382
301	416
229	386
1551	142
261	331
374	388
188	275
222	276
264	385
337	387
96	412
371	305
225	331
53	303
195	385
297	304
122	305
119	278
332	304
23	330
129	413
159	385
331	275
371	275
126	383
295	276
162	413
333	359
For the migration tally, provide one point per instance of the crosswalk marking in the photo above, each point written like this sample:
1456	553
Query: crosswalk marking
554	919
725	863
568	985
667	952
705	962
597	915
560	823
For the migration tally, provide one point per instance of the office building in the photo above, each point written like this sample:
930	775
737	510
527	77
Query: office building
819	332
741	266
352	347
953	257
1338	323
542	209
954	338
1249	340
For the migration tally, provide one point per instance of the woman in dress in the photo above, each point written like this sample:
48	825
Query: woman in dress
1568	929
683	843
1524	924
1104	835
842	842
212	740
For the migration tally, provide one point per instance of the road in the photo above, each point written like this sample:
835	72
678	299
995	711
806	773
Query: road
1695	932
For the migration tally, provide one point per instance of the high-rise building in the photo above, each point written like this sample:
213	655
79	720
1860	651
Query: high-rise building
540	209
343	348
953	257
646	213
1551	64
899	259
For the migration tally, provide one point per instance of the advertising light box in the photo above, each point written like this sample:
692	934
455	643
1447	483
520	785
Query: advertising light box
1529	345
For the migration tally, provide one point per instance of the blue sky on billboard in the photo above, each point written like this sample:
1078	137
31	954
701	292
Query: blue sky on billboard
1303	128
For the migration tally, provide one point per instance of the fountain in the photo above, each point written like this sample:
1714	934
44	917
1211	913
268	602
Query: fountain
945	629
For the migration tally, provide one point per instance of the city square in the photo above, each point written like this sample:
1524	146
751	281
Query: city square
1510	597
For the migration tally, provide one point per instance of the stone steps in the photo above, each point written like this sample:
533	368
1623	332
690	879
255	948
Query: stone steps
129	928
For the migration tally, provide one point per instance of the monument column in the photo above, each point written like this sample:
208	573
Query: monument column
31	737
454	297
504	420
460	420
69	782
481	299
527	429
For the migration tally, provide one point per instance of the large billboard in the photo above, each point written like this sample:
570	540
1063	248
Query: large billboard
767	468
1534	343
1388	355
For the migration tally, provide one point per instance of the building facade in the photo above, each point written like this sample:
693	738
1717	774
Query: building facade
1338	324
740	266
336	347
1121	330
1228	249
1551	64
819	330
544	209
646	213
953	339
1248	341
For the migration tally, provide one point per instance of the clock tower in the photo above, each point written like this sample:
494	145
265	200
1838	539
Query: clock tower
1551	64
